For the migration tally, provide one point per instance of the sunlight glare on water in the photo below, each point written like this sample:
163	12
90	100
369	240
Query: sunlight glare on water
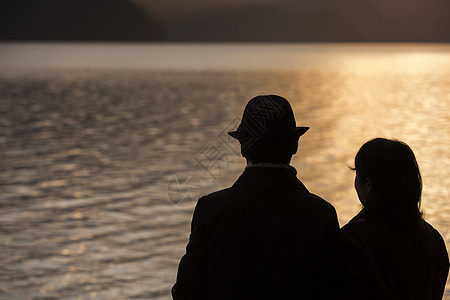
103	147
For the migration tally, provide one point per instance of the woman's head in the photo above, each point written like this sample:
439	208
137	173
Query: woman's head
388	179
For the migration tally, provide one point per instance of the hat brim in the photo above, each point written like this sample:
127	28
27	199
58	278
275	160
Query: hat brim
299	131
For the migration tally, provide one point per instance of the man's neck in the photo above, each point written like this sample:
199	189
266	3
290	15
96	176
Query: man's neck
270	165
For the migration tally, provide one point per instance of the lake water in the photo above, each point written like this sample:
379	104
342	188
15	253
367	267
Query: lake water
105	148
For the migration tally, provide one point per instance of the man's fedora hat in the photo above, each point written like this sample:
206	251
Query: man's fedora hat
267	116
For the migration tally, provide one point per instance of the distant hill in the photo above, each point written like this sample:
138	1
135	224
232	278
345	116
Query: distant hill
321	21
76	20
227	21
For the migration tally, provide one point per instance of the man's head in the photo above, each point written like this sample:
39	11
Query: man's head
268	132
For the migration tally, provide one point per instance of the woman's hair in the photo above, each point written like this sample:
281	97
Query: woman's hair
394	174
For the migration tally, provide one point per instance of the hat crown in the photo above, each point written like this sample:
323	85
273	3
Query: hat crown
267	117
267	114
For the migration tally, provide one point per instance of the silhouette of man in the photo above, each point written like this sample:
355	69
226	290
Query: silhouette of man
266	237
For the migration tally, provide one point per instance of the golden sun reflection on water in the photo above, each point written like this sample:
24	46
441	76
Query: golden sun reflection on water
90	207
411	108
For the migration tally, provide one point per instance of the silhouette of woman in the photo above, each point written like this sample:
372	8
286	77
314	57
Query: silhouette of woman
393	253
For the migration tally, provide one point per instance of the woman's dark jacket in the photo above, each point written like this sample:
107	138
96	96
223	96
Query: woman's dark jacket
396	261
266	237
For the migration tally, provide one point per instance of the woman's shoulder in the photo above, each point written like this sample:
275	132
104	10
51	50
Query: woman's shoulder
360	222
433	234
362	232
424	225
362	228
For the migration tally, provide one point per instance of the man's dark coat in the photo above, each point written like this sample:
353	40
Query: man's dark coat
266	237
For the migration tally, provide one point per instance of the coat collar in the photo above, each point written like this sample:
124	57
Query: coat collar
361	217
269	178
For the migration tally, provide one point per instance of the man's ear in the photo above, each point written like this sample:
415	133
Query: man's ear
295	146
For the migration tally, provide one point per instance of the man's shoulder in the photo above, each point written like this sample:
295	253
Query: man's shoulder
320	201
217	197
233	190
303	198
220	194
